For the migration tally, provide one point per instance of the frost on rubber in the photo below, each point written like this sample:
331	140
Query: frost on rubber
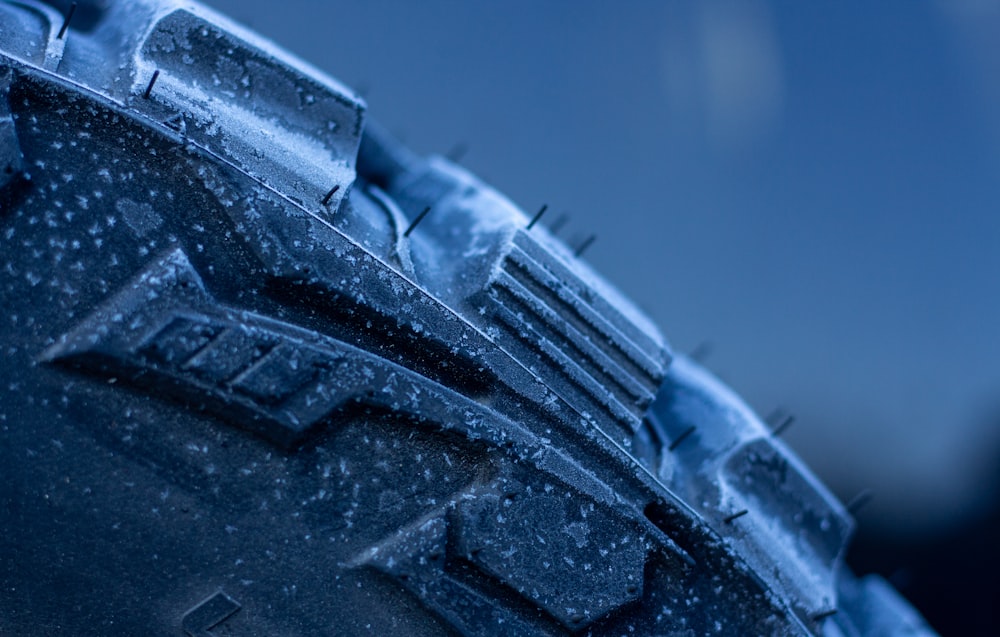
268	372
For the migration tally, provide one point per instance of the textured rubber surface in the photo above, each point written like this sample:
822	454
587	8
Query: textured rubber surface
266	372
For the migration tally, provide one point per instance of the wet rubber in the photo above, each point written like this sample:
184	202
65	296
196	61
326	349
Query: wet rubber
267	372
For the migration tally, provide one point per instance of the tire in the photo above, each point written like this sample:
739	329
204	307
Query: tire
267	372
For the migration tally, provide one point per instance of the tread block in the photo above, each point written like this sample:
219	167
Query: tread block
534	542
254	107
283	371
200	620
537	541
791	496
232	353
599	305
727	460
416	559
165	332
28	32
179	340
556	314
561	373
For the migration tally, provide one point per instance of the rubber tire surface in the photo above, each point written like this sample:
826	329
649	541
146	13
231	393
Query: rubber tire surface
267	372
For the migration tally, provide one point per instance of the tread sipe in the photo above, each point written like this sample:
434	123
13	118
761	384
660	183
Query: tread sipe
267	372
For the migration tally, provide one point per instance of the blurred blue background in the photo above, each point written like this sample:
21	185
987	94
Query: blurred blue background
811	188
